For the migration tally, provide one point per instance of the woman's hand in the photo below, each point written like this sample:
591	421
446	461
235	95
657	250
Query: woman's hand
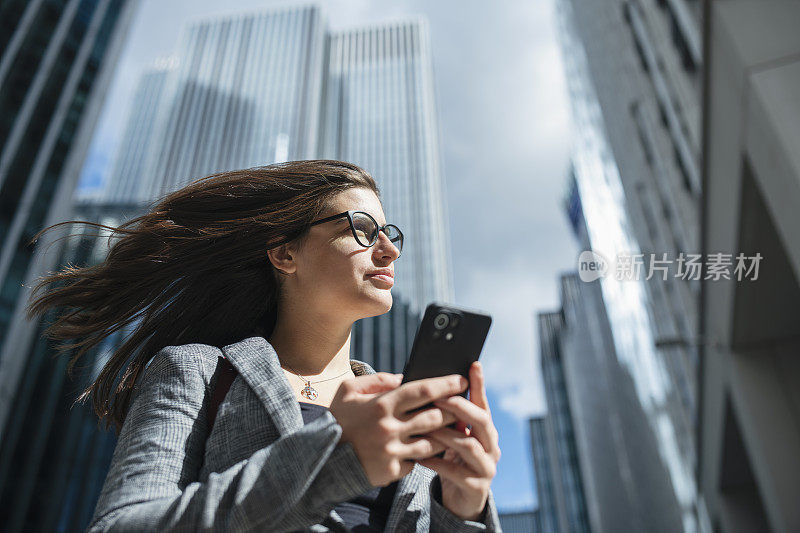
470	462
387	440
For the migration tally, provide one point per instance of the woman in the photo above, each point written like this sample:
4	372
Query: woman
269	267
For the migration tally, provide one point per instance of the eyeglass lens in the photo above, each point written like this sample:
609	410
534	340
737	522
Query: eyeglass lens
367	231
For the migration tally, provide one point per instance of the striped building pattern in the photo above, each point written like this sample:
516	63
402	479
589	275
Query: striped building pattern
246	93
379	112
125	185
57	58
633	74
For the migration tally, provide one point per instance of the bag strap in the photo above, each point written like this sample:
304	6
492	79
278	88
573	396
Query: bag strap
225	374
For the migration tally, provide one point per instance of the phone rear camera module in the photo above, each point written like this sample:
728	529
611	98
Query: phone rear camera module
441	321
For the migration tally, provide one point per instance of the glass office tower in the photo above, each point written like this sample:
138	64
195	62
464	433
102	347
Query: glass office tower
636	199
57	58
125	184
246	92
379	112
50	70
559	488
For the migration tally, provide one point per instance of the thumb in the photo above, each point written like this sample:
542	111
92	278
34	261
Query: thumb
378	382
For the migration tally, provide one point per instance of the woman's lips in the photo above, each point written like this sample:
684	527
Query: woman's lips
383	278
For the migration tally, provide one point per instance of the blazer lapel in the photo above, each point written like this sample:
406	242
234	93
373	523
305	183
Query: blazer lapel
258	364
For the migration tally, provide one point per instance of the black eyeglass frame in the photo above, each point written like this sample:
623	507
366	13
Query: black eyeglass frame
349	215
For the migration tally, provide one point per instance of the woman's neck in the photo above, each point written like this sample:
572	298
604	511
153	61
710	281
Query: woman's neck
310	345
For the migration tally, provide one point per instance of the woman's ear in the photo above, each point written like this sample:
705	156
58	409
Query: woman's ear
282	259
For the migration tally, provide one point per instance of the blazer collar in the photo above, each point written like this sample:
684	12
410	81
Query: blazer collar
257	362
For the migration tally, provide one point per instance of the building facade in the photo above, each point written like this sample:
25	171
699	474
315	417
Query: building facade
559	487
57	59
54	67
126	183
245	93
626	484
379	112
519	522
54	70
54	458
749	435
633	72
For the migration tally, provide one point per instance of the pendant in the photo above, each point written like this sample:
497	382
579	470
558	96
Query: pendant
309	391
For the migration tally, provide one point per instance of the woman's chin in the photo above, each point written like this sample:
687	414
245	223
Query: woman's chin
381	302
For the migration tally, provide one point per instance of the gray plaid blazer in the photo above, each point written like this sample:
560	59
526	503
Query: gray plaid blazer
260	468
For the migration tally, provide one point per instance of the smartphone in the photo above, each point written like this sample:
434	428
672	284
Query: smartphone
449	339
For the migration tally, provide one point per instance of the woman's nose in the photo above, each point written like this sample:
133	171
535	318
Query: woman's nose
384	239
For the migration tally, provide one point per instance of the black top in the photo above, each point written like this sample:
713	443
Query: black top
367	512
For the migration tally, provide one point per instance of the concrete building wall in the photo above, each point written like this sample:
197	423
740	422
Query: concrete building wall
749	435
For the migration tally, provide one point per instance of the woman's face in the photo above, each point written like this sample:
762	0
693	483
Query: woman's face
332	270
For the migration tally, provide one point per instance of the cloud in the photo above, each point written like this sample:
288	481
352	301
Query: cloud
513	294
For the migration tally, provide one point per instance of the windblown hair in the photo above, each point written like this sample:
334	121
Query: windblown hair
194	269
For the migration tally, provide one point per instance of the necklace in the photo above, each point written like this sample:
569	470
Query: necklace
308	391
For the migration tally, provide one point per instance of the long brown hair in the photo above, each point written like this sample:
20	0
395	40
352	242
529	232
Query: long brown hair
194	269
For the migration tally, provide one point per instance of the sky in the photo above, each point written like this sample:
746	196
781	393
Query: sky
504	130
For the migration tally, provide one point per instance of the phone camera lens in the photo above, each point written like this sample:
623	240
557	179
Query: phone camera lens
441	321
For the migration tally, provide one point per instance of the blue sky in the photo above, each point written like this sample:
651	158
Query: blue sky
504	123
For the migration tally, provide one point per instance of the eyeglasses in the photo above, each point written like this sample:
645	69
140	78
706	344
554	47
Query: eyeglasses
365	229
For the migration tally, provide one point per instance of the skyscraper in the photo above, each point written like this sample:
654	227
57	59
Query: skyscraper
626	485
56	62
595	428
126	183
55	65
559	487
246	92
54	59
379	112
632	71
364	96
